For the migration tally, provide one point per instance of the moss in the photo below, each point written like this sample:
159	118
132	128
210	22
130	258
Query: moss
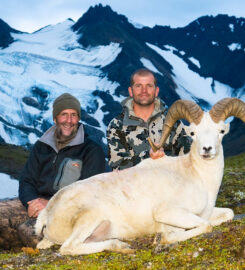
5	256
221	249
232	190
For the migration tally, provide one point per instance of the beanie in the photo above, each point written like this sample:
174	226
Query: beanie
64	102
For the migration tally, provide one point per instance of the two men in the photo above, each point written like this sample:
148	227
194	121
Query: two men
63	155
142	116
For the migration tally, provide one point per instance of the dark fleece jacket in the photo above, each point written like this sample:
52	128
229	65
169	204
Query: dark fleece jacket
44	168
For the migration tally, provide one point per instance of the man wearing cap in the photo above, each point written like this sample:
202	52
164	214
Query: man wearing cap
60	157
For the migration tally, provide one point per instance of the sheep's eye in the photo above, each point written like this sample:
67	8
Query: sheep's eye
222	131
192	133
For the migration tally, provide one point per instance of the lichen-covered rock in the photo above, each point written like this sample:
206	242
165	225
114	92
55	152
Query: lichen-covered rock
16	228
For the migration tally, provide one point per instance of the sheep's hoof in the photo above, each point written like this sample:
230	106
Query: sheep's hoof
45	243
209	228
121	247
128	251
157	239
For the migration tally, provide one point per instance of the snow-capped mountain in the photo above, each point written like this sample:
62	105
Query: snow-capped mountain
93	59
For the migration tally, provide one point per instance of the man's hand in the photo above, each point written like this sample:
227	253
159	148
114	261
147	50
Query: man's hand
158	154
36	206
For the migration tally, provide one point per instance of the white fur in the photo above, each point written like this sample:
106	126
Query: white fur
174	196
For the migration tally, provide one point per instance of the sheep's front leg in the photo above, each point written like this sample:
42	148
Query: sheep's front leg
220	215
45	243
163	229
180	218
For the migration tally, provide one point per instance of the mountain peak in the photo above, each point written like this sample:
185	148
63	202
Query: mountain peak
4	26
100	13
100	25
5	37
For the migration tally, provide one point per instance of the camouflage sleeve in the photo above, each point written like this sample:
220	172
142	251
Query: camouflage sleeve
179	142
119	155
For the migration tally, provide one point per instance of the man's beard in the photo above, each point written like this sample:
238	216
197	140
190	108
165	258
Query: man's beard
144	103
61	135
61	140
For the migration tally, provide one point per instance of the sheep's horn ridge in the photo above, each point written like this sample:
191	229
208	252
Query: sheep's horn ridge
185	109
228	107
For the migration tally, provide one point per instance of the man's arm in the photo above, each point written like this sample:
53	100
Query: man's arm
119	152
27	187
158	154
36	206
27	184
94	162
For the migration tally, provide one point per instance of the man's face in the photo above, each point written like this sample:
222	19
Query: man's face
143	90
67	121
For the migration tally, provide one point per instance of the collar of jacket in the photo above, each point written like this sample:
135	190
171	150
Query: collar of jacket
48	137
130	119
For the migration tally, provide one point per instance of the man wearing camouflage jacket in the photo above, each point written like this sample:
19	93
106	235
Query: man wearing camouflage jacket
142	116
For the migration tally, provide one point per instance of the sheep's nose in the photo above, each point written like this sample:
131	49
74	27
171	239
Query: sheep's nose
207	149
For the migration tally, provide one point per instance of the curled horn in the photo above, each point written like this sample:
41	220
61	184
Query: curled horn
228	107
185	109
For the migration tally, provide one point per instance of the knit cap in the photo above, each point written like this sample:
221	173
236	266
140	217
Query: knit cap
64	102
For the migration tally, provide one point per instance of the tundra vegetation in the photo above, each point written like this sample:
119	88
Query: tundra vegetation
223	248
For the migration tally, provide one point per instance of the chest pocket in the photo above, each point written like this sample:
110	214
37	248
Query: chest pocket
68	173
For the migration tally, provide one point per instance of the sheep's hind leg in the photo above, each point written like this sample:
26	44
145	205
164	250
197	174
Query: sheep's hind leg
90	235
84	226
114	245
220	215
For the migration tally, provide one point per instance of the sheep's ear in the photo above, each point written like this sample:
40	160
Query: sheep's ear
227	128
224	129
187	128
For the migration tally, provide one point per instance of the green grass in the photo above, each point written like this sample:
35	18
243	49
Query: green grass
14	153
12	159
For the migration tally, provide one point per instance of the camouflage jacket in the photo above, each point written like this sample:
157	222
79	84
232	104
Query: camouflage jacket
127	136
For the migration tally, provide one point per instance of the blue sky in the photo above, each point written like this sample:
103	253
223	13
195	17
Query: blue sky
30	15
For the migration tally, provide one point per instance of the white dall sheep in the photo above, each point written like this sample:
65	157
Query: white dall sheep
174	196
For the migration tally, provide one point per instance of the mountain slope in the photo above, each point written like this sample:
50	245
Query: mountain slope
5	34
111	27
218	44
